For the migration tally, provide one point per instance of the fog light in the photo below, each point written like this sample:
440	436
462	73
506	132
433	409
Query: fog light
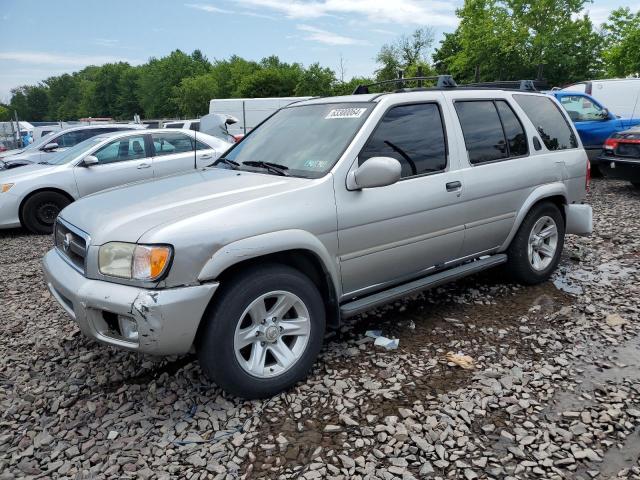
128	328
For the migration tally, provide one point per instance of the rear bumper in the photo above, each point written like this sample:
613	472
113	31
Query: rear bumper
620	168
579	219
167	320
9	207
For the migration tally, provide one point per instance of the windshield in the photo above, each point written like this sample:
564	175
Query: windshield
308	140
41	141
71	153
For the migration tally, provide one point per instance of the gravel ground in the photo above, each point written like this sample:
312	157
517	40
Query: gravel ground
555	392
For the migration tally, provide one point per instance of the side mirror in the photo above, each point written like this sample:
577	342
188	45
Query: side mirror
375	172
90	160
50	146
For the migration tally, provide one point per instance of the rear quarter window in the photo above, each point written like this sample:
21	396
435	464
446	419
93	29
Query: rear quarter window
551	124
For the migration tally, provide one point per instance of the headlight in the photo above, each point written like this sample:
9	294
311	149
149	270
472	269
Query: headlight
5	187
131	261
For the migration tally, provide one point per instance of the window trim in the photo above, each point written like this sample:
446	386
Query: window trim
438	105
563	113
504	134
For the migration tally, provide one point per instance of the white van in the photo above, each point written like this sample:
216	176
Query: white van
249	111
620	95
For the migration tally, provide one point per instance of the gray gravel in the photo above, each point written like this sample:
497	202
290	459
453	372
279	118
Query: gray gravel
555	393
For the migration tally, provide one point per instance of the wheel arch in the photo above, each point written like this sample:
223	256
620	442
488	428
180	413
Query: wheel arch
297	249
40	190
554	193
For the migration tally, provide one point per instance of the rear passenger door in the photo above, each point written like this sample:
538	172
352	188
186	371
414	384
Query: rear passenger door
174	153
122	161
390	234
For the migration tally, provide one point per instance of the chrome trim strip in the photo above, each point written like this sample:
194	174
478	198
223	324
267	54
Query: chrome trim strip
486	221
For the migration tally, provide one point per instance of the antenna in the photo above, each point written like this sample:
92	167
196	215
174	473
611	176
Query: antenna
195	144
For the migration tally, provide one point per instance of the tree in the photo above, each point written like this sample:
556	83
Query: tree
621	34
193	94
273	79
5	113
510	39
316	80
407	53
31	102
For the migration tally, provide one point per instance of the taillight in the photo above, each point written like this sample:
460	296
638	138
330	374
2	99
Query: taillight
237	138
611	143
587	182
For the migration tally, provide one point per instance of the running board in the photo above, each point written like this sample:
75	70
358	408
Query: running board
367	303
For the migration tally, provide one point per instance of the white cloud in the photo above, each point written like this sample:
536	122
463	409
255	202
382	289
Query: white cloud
207	8
105	42
328	38
67	60
403	12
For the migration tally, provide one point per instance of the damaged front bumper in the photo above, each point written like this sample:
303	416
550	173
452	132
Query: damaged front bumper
165	320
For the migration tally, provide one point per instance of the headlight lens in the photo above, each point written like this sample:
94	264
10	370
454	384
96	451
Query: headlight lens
5	187
131	261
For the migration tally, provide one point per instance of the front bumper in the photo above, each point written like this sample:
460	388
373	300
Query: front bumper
167	320
9	207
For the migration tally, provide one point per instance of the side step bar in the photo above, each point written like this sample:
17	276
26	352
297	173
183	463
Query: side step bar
367	303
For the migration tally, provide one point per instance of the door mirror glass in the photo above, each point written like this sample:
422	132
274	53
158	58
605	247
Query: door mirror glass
90	160
50	146
375	172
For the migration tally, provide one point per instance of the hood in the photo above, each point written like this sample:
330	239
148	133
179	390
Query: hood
126	213
630	122
8	164
25	172
22	155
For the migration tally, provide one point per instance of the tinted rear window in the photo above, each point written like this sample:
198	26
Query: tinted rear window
549	121
513	130
482	131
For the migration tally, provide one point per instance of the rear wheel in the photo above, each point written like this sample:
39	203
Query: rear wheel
535	250
263	333
40	211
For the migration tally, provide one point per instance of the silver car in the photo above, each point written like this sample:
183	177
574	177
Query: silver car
331	207
33	195
58	141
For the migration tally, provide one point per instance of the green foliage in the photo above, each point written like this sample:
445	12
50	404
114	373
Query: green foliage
510	39
315	81
406	53
5	113
621	35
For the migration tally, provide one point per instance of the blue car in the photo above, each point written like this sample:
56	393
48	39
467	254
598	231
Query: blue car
592	120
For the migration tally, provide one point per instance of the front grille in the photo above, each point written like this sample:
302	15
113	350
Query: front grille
628	150
72	244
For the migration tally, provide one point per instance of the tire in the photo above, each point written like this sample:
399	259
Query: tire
230	323
40	210
546	251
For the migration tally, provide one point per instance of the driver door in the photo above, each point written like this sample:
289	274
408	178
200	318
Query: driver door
122	161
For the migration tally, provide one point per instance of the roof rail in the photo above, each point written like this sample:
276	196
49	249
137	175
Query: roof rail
442	81
527	85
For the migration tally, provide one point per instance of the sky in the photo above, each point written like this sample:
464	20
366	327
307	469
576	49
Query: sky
41	38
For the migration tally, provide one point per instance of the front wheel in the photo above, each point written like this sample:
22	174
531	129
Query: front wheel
263	333
40	211
535	250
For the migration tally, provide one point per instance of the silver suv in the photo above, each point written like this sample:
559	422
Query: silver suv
331	207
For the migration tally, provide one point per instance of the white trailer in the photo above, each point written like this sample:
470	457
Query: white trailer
249	111
620	95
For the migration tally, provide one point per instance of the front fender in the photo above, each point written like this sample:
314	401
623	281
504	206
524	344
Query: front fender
265	244
556	189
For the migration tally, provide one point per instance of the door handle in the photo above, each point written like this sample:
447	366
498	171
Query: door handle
206	155
454	186
143	165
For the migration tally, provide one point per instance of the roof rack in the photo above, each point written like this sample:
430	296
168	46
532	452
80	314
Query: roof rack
442	81
527	85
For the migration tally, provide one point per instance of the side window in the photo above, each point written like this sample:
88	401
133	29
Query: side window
173	142
555	131
202	146
413	135
513	130
482	130
70	139
121	150
195	126
582	109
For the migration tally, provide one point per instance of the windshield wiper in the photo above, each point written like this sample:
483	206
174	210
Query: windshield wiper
272	167
233	164
44	163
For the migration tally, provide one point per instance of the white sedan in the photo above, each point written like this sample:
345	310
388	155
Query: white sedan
33	195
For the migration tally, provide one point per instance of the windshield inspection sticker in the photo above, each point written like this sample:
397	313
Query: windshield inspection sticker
346	113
